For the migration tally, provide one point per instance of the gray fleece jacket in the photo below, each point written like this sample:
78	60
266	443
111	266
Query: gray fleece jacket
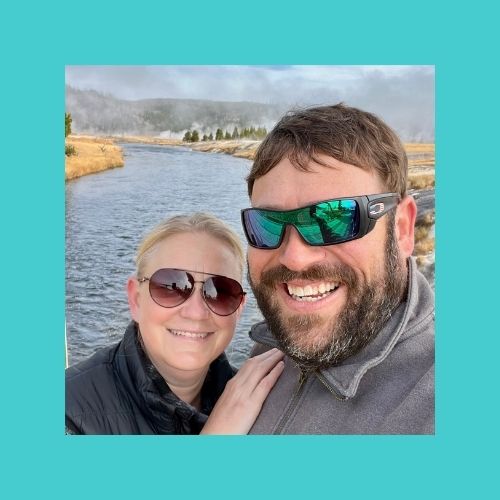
386	388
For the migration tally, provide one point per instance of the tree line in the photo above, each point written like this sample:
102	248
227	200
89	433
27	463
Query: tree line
224	135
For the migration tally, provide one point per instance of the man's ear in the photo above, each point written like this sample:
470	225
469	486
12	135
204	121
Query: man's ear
406	215
133	297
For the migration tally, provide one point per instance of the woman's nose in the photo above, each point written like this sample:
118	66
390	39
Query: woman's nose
296	254
195	307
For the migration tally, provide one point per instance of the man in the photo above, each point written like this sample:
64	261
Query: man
331	233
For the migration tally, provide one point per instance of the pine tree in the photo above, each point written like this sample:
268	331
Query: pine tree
205	138
187	136
227	136
195	137
219	135
236	134
67	124
211	137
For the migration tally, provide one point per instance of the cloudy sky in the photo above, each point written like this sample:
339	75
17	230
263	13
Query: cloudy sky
402	95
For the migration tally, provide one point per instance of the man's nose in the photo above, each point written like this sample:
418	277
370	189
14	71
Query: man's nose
296	254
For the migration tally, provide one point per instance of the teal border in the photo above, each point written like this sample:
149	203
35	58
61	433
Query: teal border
38	41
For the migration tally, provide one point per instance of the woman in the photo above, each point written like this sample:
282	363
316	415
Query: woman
167	373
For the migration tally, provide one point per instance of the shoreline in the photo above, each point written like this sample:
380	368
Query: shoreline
90	155
421	156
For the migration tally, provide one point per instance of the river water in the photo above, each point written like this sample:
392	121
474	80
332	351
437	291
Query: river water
108	213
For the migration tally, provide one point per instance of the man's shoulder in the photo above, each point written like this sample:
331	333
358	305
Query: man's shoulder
263	338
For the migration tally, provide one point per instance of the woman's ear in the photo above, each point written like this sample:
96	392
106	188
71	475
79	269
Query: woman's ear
133	297
406	215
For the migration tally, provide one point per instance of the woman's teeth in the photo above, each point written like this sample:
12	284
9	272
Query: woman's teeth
191	335
311	293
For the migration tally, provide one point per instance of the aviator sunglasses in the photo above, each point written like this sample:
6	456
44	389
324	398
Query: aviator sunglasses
172	287
324	223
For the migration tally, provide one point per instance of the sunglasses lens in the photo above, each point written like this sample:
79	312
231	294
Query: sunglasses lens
329	222
263	228
170	287
325	223
222	295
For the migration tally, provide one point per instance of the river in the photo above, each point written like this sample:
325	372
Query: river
108	213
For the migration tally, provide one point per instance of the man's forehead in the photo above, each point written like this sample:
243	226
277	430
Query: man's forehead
286	187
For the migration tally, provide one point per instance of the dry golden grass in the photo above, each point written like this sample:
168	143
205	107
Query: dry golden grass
147	140
92	155
424	247
424	243
417	147
420	181
427	220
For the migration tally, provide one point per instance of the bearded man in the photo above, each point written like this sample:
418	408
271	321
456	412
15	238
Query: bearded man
331	233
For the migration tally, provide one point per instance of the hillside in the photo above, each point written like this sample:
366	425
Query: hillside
99	114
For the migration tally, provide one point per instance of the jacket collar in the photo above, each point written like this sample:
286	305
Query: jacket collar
344	379
153	394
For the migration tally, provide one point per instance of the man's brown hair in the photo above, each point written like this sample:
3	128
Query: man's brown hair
347	134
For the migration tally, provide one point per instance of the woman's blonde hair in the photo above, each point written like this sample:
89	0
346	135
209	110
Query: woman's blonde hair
198	222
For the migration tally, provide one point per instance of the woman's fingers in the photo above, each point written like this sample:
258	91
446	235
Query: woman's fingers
256	368
263	388
242	399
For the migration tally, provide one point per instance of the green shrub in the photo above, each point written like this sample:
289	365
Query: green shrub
69	150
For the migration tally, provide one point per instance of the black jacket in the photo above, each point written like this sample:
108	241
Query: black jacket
119	391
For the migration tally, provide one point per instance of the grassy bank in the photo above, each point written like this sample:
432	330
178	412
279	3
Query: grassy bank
160	141
91	155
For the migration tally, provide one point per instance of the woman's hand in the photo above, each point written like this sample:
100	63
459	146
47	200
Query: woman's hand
242	399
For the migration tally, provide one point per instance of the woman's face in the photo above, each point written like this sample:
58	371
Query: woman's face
188	337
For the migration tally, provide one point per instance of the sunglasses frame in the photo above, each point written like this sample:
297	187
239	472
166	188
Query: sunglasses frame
191	279
371	208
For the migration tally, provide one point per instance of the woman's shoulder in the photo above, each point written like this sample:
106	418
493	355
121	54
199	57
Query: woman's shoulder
92	382
101	359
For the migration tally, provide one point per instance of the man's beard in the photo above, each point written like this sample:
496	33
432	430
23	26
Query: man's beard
315	343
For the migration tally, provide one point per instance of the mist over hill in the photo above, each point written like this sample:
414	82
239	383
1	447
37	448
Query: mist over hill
103	114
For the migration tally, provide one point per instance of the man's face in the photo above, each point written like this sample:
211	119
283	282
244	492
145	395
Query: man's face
324	303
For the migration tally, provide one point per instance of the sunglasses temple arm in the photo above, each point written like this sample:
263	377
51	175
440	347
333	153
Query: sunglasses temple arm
380	206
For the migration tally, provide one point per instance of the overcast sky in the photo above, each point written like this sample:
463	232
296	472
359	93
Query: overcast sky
400	94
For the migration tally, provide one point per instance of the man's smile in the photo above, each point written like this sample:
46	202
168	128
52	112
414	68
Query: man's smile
311	292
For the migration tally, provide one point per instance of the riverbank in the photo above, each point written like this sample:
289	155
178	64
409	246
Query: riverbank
421	157
90	155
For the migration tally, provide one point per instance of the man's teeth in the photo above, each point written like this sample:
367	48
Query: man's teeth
311	293
191	335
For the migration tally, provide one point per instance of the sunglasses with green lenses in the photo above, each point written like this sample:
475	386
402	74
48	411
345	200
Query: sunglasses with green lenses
324	223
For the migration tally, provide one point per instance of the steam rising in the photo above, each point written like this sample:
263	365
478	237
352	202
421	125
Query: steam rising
168	100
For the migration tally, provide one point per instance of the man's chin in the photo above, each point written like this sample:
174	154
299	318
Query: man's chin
304	338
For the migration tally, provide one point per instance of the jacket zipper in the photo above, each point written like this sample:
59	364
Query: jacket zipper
330	389
293	403
295	397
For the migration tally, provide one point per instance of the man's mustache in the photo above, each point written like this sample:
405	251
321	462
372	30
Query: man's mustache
321	272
